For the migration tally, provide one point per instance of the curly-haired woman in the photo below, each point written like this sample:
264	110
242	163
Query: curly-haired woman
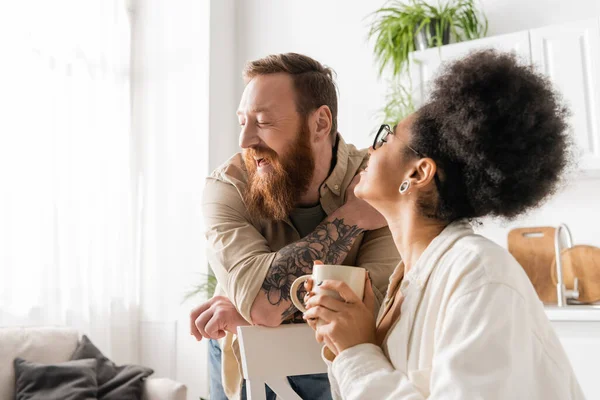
461	319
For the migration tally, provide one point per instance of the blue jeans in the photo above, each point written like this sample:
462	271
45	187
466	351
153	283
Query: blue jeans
310	387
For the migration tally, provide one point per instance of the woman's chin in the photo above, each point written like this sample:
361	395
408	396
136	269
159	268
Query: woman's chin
359	191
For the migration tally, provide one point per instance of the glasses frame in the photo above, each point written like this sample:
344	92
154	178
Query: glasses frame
382	134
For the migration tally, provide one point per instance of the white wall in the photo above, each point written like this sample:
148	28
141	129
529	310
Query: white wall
335	33
170	119
225	82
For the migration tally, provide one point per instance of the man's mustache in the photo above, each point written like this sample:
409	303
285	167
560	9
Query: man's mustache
266	153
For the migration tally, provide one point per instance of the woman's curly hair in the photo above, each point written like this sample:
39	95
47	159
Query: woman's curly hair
498	132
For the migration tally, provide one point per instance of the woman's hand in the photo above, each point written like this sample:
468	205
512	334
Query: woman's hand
342	323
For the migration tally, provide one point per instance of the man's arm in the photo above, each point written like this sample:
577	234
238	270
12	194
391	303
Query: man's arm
256	279
330	242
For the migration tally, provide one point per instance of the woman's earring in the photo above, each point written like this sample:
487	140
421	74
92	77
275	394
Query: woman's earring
404	186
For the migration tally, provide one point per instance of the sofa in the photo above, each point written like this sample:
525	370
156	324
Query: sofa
50	345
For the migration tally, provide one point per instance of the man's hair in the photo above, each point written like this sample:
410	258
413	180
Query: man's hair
313	82
498	132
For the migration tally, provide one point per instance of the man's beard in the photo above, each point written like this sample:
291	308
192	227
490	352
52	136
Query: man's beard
274	194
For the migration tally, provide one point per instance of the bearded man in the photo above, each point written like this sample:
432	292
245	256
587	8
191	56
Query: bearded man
284	202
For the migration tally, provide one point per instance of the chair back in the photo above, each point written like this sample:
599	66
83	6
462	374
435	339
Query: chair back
269	355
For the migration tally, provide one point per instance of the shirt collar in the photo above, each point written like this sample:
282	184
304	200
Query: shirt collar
335	179
420	272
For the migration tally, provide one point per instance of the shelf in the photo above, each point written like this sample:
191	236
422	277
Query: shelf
574	313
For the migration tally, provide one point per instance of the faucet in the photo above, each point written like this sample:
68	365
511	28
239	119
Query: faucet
562	293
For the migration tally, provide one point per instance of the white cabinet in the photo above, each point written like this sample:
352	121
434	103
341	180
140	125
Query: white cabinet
517	43
423	67
570	55
426	64
581	341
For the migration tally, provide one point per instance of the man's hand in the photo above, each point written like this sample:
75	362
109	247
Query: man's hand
355	209
215	317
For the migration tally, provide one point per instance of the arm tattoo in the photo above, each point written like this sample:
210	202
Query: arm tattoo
291	311
330	243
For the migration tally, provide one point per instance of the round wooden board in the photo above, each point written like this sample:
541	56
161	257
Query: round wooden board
582	262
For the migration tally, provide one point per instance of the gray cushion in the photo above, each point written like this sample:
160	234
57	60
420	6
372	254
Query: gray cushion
114	383
71	380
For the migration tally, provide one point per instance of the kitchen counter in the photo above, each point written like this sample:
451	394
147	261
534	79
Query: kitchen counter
574	313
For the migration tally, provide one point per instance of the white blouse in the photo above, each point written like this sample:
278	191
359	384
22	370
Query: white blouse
471	327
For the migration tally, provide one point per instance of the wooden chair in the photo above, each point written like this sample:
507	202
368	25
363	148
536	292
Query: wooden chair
269	355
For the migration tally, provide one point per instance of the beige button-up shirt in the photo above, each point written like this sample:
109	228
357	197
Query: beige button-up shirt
240	250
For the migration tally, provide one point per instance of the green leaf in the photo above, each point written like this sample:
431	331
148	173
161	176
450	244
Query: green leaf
393	28
205	289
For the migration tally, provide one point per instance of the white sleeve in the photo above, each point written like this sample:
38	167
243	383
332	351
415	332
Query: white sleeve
328	358
486	322
363	372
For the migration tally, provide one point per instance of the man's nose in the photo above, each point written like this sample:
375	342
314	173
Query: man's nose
248	137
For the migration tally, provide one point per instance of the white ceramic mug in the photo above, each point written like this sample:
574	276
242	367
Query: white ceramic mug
352	276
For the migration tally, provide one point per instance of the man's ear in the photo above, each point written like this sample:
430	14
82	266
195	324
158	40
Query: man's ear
320	123
423	173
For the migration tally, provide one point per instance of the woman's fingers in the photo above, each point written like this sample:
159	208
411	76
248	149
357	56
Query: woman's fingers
309	284
345	292
320	312
323	336
325	301
312	323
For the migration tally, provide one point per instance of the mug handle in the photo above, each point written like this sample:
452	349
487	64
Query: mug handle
294	292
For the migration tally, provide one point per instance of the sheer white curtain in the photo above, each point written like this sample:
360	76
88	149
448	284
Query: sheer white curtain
67	193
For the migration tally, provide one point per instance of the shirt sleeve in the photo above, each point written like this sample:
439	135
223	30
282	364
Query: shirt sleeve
378	255
328	358
489	320
238	254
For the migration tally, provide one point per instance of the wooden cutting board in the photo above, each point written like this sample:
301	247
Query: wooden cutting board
533	248
582	262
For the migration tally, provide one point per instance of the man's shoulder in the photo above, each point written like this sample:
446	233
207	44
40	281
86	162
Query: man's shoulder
232	171
230	178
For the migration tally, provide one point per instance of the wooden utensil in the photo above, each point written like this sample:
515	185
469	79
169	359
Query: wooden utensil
533	248
581	262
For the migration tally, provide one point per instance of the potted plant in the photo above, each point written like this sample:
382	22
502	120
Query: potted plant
405	26
402	27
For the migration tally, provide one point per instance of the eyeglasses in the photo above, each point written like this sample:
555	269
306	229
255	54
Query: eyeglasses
381	138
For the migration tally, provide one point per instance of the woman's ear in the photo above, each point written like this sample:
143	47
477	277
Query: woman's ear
423	173
321	123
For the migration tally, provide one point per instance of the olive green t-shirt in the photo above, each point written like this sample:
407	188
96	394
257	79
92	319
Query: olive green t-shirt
306	219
